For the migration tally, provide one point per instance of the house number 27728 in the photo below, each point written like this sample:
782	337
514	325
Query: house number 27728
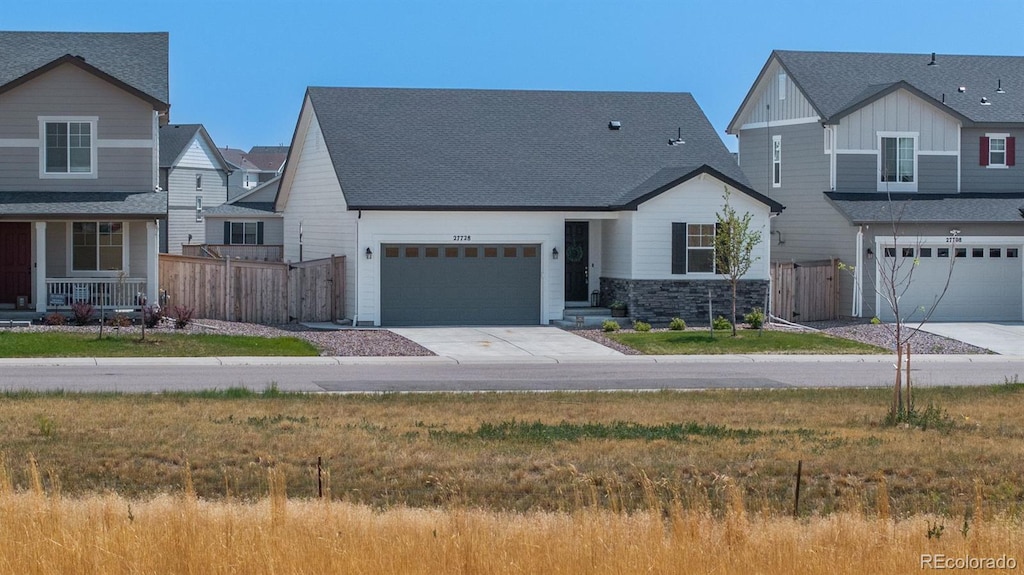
460	238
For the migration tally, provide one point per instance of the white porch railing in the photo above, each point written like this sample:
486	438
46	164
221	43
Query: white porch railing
112	293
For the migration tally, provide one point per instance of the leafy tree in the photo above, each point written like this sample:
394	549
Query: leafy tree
734	247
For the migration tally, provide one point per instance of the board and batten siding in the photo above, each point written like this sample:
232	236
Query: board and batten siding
317	203
124	134
899	111
766	106
617	247
697	201
978	178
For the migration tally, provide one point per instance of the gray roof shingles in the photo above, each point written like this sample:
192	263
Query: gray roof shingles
260	209
137	59
508	149
835	81
870	208
174	138
69	204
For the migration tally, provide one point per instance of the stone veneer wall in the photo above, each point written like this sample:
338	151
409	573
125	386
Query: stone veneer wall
658	301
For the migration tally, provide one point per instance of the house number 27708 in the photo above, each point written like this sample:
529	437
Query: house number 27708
460	238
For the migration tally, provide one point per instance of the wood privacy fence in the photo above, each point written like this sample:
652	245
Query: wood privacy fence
805	292
255	292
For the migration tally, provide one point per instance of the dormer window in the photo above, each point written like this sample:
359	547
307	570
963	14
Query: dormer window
897	162
69	147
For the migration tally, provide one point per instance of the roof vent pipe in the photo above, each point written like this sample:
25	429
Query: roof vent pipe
933	62
999	87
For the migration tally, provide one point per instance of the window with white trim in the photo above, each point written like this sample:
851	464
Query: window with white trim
996	150
776	161
782	85
199	182
199	208
897	162
97	246
700	248
244	233
69	147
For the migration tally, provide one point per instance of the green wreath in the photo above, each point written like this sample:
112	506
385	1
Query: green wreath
574	253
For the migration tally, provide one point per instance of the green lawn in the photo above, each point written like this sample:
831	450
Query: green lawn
60	344
700	342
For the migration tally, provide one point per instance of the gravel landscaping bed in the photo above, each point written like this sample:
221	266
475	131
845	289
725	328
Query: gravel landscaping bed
343	342
862	331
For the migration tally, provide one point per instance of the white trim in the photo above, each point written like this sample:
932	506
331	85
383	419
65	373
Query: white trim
776	146
40	266
93	172
782	85
124	143
69	252
858	276
996	136
777	123
827	131
19	142
974	241
896	186
862	152
937	153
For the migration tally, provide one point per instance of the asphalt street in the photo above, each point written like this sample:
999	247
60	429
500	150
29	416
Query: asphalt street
442	374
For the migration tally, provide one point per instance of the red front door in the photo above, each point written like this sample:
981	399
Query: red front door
15	261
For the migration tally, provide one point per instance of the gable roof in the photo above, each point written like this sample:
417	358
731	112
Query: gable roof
835	83
869	208
238	158
175	139
268	158
139	60
430	149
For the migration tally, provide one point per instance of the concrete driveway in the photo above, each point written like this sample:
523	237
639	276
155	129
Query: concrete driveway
1004	338
504	343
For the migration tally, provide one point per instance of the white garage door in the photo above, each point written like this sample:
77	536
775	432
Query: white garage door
985	284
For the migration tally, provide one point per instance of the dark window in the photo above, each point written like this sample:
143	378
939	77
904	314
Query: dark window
908	252
391	252
510	252
68	147
490	252
898	160
942	252
451	252
199	182
925	252
245	233
995	253
431	252
472	252
890	252
412	252
977	252
961	252
530	252
1012	252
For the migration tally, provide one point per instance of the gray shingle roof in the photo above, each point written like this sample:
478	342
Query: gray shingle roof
260	209
508	149
835	81
174	138
670	177
137	59
930	208
69	204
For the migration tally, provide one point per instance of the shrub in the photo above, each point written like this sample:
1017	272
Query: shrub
82	312
721	323
755	318
609	325
55	319
875	321
641	326
617	305
182	316
120	320
152	315
677	324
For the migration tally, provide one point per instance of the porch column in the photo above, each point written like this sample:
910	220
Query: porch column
40	270
152	263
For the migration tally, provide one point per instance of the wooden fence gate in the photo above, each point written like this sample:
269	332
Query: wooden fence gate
255	292
805	292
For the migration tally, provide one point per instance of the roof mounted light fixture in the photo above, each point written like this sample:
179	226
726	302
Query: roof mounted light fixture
985	102
614	125
999	86
933	62
679	138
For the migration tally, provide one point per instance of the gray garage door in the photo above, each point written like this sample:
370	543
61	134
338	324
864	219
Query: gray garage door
494	284
985	286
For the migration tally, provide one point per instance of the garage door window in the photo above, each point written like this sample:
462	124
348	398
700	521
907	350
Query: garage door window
961	252
431	252
472	252
977	252
412	252
490	252
942	252
995	253
925	252
908	252
451	252
391	252
530	252
510	252
1012	252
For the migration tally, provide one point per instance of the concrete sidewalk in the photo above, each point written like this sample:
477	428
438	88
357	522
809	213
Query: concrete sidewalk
1004	338
505	343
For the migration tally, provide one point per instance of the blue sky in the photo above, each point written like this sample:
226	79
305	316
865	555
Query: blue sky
241	67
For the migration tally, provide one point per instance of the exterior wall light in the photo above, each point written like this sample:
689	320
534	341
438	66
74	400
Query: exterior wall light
369	254
554	253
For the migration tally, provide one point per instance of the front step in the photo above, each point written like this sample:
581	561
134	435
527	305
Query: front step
588	317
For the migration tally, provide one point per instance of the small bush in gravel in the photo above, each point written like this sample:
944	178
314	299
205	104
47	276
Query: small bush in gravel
677	324
755	319
82	312
721	323
875	321
120	320
55	319
152	315
609	325
641	326
182	316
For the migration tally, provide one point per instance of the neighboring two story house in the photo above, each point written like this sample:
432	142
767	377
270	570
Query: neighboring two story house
257	166
195	176
79	146
899	160
507	207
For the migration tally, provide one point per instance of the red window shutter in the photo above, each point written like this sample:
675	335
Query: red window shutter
983	152
1011	150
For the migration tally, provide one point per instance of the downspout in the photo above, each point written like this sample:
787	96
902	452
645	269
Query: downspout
858	275
355	271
